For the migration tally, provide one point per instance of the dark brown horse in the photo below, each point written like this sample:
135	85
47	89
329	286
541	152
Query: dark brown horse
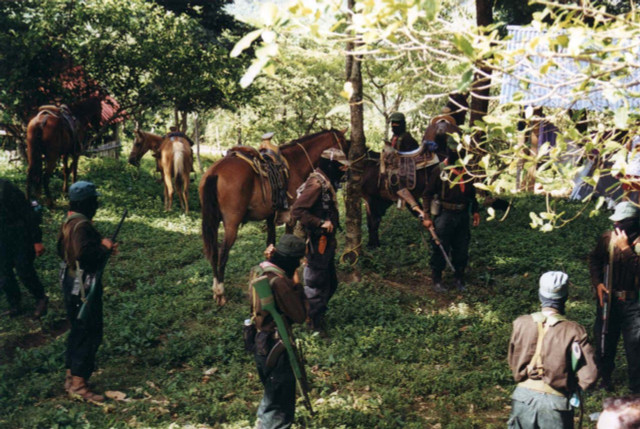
173	159
231	192
376	194
57	132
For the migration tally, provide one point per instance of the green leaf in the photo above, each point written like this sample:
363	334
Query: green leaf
463	44
621	118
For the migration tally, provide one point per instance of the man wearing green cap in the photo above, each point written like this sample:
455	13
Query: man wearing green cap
452	187
83	250
615	260
550	358
20	243
277	407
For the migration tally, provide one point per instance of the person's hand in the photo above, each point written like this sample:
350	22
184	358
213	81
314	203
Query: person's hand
327	226
39	248
427	223
110	245
476	219
600	291
269	251
620	239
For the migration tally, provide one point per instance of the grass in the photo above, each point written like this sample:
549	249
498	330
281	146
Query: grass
399	355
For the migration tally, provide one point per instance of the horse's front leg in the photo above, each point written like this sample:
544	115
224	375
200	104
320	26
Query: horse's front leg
271	229
48	172
65	173
74	167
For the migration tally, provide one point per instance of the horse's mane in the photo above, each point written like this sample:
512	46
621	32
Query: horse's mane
305	138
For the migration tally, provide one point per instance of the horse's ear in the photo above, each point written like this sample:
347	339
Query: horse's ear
344	130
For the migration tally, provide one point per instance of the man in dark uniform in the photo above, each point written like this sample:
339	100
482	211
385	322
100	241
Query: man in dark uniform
20	243
618	250
83	250
550	358
402	140
316	208
456	197
277	407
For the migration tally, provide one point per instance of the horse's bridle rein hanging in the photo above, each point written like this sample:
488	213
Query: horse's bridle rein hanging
333	133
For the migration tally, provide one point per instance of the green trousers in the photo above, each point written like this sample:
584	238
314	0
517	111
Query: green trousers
537	410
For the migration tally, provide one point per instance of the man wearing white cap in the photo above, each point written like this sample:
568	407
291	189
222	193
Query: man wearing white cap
538	351
615	261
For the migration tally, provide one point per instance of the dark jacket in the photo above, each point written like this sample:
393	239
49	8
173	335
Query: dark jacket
626	265
460	193
78	240
17	216
315	204
404	142
556	354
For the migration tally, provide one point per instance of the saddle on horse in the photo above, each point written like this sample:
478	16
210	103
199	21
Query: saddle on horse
70	121
398	169
269	164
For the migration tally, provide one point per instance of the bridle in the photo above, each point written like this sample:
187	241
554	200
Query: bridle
334	135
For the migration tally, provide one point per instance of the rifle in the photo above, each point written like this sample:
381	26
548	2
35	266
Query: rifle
262	288
432	230
95	290
606	306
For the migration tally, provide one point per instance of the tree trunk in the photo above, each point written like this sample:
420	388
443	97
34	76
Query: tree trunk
196	132
481	80
353	204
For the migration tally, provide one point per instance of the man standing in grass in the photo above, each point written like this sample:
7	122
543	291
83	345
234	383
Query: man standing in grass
83	250
263	338
615	260
551	360
20	243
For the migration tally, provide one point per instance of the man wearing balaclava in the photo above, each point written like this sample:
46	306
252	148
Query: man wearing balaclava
550	359
451	186
402	140
615	269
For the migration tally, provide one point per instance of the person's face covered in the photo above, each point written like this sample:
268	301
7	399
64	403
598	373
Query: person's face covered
630	226
398	128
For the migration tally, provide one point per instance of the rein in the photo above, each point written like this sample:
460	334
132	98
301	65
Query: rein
307	155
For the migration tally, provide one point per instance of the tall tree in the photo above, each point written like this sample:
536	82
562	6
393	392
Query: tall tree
357	149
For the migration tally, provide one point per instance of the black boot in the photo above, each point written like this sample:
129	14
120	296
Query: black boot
438	286
41	307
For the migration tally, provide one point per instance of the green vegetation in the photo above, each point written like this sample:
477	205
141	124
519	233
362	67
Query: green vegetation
398	355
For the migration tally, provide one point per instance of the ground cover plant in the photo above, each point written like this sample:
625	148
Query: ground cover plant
399	355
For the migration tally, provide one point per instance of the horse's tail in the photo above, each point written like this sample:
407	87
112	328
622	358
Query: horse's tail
34	155
210	219
178	163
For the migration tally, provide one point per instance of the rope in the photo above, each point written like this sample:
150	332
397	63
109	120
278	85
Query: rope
307	155
352	250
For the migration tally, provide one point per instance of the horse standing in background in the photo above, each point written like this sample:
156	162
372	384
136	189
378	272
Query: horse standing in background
232	191
58	131
375	192
174	160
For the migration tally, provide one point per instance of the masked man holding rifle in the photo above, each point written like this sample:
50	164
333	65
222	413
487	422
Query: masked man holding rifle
84	252
615	274
276	302
456	203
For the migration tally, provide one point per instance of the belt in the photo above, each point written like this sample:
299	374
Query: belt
453	207
539	386
626	295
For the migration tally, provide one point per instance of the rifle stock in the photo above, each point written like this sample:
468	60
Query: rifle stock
95	291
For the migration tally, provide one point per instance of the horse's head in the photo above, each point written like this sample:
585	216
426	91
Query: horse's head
141	146
341	141
438	131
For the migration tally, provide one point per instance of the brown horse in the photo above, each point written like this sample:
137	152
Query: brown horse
173	159
55	132
231	192
376	194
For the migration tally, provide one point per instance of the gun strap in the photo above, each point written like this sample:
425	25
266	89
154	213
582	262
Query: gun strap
543	323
